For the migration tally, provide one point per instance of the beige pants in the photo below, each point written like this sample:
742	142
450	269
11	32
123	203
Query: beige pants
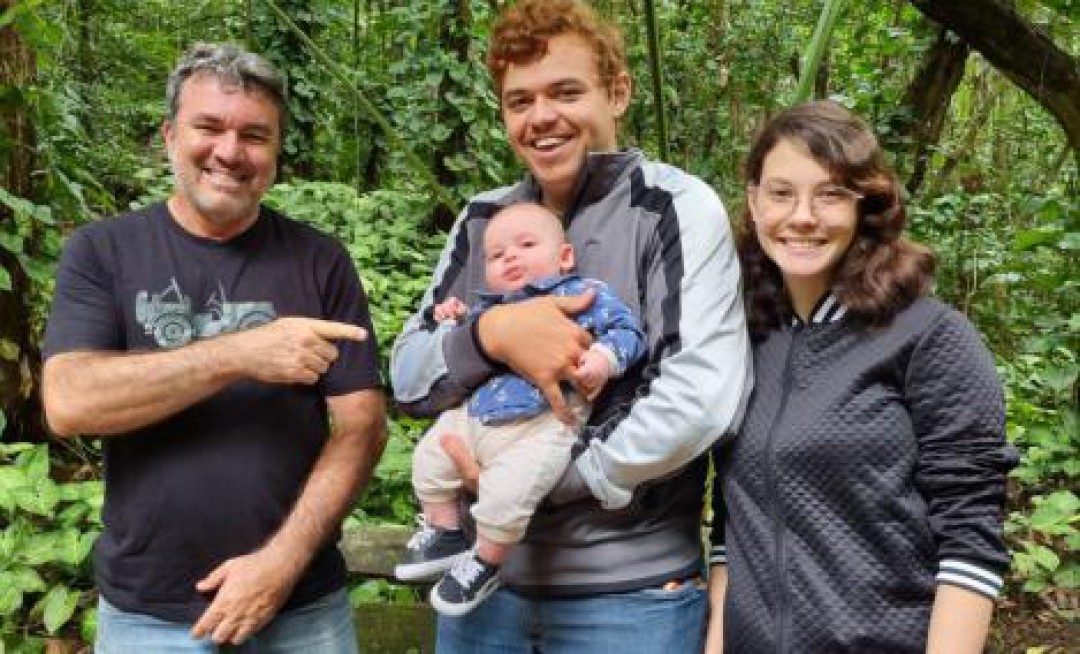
520	463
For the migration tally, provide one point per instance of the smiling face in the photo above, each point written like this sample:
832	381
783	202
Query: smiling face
522	244
223	146
800	222
557	111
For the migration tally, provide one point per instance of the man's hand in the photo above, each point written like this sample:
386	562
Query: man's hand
250	590
290	350
539	342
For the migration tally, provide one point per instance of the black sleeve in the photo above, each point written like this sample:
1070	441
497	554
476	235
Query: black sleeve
958	412
344	300
84	314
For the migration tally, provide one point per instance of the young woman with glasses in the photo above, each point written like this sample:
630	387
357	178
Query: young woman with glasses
859	509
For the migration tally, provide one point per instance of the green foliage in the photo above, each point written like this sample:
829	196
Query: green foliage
49	529
1049	541
31	236
383	233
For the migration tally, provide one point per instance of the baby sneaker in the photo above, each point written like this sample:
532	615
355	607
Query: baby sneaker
469	582
430	552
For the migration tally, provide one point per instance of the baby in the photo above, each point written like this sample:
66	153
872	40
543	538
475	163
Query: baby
507	424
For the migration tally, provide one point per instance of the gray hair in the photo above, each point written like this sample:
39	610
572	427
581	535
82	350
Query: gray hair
234	67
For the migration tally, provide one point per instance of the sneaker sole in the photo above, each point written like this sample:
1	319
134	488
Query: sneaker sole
428	570
458	610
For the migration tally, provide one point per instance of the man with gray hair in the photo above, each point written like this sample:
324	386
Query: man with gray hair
211	343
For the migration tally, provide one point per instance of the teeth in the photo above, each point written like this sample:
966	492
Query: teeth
550	142
221	177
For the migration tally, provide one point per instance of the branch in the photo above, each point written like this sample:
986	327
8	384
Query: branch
1020	51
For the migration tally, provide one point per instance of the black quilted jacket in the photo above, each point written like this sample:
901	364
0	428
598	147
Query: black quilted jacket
870	468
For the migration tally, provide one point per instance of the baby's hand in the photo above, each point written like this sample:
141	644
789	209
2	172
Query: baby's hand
451	309
594	368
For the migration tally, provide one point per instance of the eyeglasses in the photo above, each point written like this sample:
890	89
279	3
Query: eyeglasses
781	200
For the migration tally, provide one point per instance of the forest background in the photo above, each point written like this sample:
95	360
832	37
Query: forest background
394	125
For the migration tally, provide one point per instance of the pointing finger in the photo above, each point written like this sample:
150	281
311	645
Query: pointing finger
331	330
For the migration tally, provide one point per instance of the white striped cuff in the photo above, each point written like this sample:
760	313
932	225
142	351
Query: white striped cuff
718	555
969	576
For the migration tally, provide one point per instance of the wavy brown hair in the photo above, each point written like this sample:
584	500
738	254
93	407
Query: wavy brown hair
522	31
882	272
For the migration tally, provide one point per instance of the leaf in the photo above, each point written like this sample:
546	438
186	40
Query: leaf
1060	379
3	423
20	206
5	19
23	579
11	242
1060	505
58	607
39	270
5	280
34	501
11	478
1029	239
10	598
35	462
9	351
1045	557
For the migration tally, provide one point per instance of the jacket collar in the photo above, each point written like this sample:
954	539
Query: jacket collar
828	309
601	173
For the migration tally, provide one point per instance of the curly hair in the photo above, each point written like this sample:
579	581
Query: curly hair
882	272
521	35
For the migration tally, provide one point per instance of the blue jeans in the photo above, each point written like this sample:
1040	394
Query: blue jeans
323	627
651	621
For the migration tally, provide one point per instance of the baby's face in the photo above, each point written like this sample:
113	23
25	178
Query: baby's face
523	244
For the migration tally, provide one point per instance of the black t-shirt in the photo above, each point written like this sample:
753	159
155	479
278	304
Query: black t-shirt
217	479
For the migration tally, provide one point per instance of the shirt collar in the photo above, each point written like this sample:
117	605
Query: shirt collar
828	309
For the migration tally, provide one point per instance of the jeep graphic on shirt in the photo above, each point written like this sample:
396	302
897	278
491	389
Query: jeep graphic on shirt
168	317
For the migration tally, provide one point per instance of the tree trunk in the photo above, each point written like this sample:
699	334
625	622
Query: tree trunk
926	104
1020	51
17	162
85	47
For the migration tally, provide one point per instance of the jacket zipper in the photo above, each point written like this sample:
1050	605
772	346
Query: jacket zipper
774	491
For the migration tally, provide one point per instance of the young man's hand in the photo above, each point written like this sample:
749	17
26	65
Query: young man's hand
537	339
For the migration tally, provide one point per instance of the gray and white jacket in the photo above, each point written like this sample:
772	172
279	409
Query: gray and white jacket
627	513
